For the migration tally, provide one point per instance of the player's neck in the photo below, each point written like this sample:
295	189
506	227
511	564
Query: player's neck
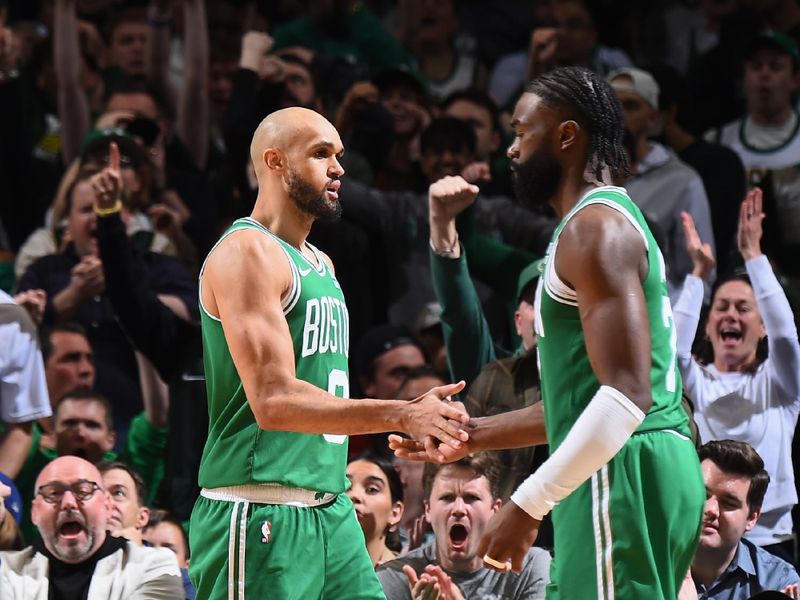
710	563
285	220
571	189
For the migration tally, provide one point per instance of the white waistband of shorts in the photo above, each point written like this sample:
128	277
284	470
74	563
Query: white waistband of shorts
269	493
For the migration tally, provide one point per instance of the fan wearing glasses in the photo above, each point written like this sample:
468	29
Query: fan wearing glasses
71	510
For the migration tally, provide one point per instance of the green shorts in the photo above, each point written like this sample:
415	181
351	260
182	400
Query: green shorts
630	532
242	550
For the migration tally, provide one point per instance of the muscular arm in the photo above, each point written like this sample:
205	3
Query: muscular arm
514	429
261	347
603	258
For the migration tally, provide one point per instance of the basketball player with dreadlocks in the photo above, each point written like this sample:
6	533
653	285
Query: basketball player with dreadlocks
623	480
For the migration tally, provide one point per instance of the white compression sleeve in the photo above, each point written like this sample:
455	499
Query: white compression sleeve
597	435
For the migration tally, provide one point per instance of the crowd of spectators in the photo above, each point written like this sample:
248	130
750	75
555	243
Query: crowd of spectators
100	354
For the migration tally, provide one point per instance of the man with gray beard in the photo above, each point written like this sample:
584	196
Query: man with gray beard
71	509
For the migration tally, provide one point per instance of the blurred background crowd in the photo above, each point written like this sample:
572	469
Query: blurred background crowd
419	90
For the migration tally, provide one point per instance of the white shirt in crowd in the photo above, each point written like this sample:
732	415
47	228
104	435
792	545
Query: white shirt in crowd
760	407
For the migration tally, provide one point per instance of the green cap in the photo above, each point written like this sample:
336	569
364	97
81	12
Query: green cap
98	140
776	40
528	275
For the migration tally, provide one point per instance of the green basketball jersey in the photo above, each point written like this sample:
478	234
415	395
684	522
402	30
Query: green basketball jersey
238	451
568	382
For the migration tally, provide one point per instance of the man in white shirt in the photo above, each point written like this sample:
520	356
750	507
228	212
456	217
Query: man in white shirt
77	557
767	139
767	136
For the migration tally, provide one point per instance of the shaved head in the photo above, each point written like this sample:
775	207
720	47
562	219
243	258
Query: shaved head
68	466
286	128
295	153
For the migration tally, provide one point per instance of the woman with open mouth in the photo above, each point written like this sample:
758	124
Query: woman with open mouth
748	387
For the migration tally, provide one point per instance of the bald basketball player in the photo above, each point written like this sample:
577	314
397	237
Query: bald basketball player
272	520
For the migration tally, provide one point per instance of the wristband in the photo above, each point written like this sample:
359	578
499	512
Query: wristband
111	210
446	252
598	434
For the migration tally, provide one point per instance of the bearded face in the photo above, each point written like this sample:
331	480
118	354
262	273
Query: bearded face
536	180
312	201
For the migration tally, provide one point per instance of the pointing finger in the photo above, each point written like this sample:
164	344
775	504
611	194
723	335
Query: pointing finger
113	155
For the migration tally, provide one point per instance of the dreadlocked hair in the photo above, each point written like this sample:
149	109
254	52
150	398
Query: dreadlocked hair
592	103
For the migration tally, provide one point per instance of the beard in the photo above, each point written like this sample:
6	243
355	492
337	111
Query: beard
73	551
536	181
312	201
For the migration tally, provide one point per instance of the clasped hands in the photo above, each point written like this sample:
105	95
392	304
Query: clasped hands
438	426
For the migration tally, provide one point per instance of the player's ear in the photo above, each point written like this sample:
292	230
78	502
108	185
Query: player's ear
568	133
274	159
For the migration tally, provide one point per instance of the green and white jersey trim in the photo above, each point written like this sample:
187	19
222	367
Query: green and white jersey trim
551	282
292	295
200	280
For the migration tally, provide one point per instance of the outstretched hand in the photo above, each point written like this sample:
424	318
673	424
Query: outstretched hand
509	535
703	262
107	184
751	215
433	415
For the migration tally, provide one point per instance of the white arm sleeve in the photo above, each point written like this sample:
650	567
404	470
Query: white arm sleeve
599	433
784	350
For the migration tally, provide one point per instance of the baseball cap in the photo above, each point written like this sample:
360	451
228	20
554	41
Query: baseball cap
775	40
14	501
379	340
97	141
641	83
402	76
429	316
528	275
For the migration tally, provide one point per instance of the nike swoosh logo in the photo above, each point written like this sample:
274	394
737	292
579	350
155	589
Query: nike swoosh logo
303	272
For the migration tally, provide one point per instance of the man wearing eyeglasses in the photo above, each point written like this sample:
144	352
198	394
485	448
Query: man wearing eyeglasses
76	557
